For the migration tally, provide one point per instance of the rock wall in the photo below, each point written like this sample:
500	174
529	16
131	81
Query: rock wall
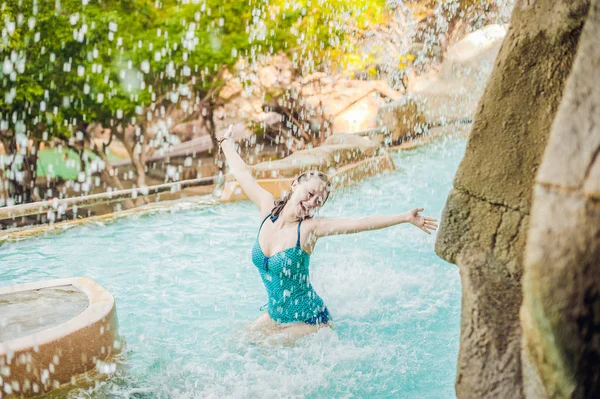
337	151
560	315
487	213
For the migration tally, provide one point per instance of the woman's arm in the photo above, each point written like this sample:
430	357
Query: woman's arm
261	197
326	227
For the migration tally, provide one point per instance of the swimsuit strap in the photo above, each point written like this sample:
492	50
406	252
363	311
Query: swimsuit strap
261	225
298	243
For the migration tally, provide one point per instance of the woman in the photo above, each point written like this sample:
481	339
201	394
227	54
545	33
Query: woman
285	240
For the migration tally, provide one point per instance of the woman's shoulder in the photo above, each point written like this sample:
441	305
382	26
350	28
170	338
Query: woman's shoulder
264	216
311	223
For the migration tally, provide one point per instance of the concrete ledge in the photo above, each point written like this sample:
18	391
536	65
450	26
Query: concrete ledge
454	130
105	218
34	364
34	208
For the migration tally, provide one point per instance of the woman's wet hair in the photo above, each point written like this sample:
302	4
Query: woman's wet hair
280	204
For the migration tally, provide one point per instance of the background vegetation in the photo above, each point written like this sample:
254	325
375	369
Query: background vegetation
71	67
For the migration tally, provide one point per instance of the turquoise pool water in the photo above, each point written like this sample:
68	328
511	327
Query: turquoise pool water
185	287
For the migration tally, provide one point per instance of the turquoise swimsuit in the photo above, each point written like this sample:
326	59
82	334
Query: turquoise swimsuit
285	276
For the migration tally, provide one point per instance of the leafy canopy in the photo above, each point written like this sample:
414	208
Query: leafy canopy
66	63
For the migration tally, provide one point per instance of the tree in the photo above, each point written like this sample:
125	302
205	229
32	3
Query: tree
183	51
123	64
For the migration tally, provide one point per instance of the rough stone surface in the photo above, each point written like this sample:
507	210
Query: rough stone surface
359	116
561	284
363	144
403	119
337	151
487	213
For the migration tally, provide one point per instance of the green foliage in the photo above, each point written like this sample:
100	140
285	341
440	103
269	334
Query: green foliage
76	61
49	53
324	34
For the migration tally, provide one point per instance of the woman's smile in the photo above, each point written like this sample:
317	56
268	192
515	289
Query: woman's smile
304	208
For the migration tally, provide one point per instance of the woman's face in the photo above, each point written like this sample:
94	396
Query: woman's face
308	196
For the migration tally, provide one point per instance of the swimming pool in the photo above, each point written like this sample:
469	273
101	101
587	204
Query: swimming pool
185	287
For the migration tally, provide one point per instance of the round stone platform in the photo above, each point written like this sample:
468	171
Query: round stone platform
53	331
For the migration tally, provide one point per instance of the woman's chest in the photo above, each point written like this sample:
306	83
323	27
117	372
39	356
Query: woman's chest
287	263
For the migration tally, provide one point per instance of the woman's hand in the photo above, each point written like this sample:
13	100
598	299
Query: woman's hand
424	223
225	134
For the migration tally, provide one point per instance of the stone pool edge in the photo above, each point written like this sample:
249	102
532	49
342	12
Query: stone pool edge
59	355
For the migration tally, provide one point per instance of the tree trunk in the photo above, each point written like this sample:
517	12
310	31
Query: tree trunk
131	142
31	194
139	159
8	141
108	175
208	113
19	178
